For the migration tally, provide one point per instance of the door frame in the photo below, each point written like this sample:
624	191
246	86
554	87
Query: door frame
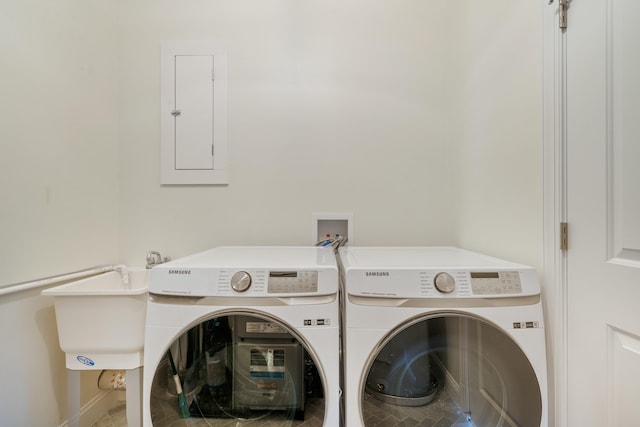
555	208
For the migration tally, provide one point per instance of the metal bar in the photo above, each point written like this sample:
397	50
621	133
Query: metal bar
51	280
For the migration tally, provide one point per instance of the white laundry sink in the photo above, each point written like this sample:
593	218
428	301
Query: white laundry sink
101	320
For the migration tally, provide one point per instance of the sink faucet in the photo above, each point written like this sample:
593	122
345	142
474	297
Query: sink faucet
154	258
124	272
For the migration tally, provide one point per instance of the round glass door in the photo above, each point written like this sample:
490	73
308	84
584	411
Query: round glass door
451	370
237	368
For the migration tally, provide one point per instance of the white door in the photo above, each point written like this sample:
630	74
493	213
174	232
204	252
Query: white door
603	212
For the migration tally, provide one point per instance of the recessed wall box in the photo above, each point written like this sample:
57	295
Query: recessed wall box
331	224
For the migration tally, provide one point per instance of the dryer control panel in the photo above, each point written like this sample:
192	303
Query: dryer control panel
443	283
292	281
495	282
433	273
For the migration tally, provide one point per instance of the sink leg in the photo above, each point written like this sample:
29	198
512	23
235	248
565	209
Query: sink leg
73	398
134	397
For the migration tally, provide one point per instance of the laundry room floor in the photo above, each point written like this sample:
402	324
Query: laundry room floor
441	412
167	415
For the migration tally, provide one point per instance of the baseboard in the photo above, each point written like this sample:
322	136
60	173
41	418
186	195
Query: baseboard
97	407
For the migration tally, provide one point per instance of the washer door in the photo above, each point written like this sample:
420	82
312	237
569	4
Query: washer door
242	367
450	370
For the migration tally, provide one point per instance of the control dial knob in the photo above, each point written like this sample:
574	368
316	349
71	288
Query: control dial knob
241	281
444	283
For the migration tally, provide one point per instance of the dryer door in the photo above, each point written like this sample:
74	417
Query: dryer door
450	370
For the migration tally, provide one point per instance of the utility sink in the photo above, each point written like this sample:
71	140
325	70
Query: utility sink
101	320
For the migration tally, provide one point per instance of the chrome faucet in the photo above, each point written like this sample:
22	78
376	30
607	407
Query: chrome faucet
154	258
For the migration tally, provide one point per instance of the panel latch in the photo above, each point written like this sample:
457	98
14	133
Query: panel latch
564	236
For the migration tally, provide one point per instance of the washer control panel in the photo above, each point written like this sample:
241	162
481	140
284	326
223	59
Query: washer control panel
444	282
270	282
292	282
241	281
250	272
246	282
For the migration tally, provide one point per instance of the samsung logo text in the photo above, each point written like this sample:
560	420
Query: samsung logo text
179	271
377	274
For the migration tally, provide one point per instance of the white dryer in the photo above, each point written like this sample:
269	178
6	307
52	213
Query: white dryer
442	336
254	332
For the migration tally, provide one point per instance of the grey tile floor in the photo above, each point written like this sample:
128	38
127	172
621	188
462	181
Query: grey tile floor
442	412
166	415
116	417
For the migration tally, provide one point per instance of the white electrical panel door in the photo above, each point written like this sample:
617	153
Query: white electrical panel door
194	113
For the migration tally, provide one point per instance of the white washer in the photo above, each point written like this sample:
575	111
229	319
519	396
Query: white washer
442	335
270	305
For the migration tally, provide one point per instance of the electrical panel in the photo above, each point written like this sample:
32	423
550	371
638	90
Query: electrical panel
193	113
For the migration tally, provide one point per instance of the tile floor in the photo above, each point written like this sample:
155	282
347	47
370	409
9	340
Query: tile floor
116	417
167	416
439	413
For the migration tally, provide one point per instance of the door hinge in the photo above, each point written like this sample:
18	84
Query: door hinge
564	236
563	7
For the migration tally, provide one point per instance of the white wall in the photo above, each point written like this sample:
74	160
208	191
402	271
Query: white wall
59	164
499	131
334	106
59	186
